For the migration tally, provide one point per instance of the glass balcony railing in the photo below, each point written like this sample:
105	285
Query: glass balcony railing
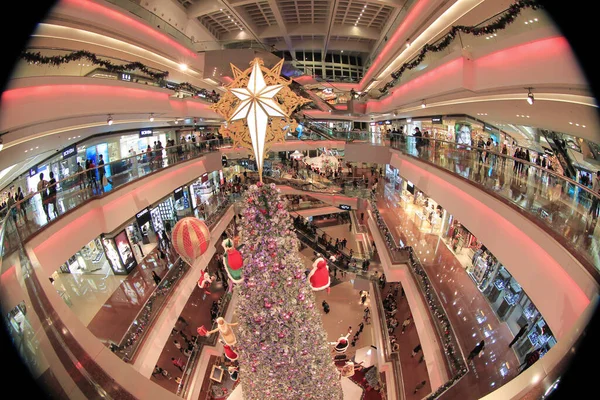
85	68
564	207
144	321
38	209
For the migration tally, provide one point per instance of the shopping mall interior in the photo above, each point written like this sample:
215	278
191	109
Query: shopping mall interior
299	199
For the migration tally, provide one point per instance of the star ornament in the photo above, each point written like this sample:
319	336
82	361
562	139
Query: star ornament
256	106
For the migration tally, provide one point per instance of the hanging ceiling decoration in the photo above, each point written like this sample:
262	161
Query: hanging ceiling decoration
257	108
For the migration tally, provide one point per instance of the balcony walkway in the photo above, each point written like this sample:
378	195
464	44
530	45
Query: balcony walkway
469	312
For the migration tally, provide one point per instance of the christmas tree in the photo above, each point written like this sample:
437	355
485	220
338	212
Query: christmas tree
284	353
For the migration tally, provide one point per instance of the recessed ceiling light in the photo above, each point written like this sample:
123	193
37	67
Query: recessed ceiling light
576	124
570	123
583	126
526	22
535	19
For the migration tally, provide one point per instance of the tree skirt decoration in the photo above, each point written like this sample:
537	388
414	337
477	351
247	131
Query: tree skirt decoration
190	239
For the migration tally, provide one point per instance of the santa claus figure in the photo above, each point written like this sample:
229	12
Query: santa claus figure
233	261
205	281
342	344
229	352
319	275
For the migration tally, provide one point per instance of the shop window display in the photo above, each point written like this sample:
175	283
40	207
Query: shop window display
91	259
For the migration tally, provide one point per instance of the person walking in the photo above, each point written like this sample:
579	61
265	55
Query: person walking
595	199
177	344
420	386
476	350
416	350
42	188
178	363
530	359
52	194
325	307
363	297
360	327
102	172
405	324
156	278
519	335
20	197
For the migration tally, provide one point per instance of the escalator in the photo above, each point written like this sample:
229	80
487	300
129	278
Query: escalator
557	143
317	101
313	129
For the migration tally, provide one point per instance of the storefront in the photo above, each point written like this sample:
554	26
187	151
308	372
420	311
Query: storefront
119	252
512	305
91	259
139	141
182	202
204	188
428	215
163	214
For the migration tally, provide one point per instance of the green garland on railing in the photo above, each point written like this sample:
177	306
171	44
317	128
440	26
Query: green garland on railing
38	58
500	23
449	348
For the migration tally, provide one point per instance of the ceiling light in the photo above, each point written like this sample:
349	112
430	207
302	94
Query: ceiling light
530	98
342	51
408	120
423	104
183	67
576	124
583	126
570	123
176	121
109	120
151	117
526	22
535	19
407	43
1	144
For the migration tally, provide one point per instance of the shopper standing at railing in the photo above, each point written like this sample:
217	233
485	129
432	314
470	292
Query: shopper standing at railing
22	205
596	189
42	188
52	193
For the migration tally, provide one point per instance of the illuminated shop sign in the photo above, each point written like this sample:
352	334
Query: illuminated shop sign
178	193
143	217
436	119
345	207
125	77
146	133
69	152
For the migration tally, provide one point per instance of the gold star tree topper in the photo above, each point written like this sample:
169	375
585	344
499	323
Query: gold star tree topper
257	107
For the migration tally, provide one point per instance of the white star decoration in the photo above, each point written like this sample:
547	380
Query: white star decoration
257	105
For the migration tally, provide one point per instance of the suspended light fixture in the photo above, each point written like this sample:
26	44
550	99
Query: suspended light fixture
1	144
151	117
407	43
423	104
109	120
176	121
183	67
530	98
